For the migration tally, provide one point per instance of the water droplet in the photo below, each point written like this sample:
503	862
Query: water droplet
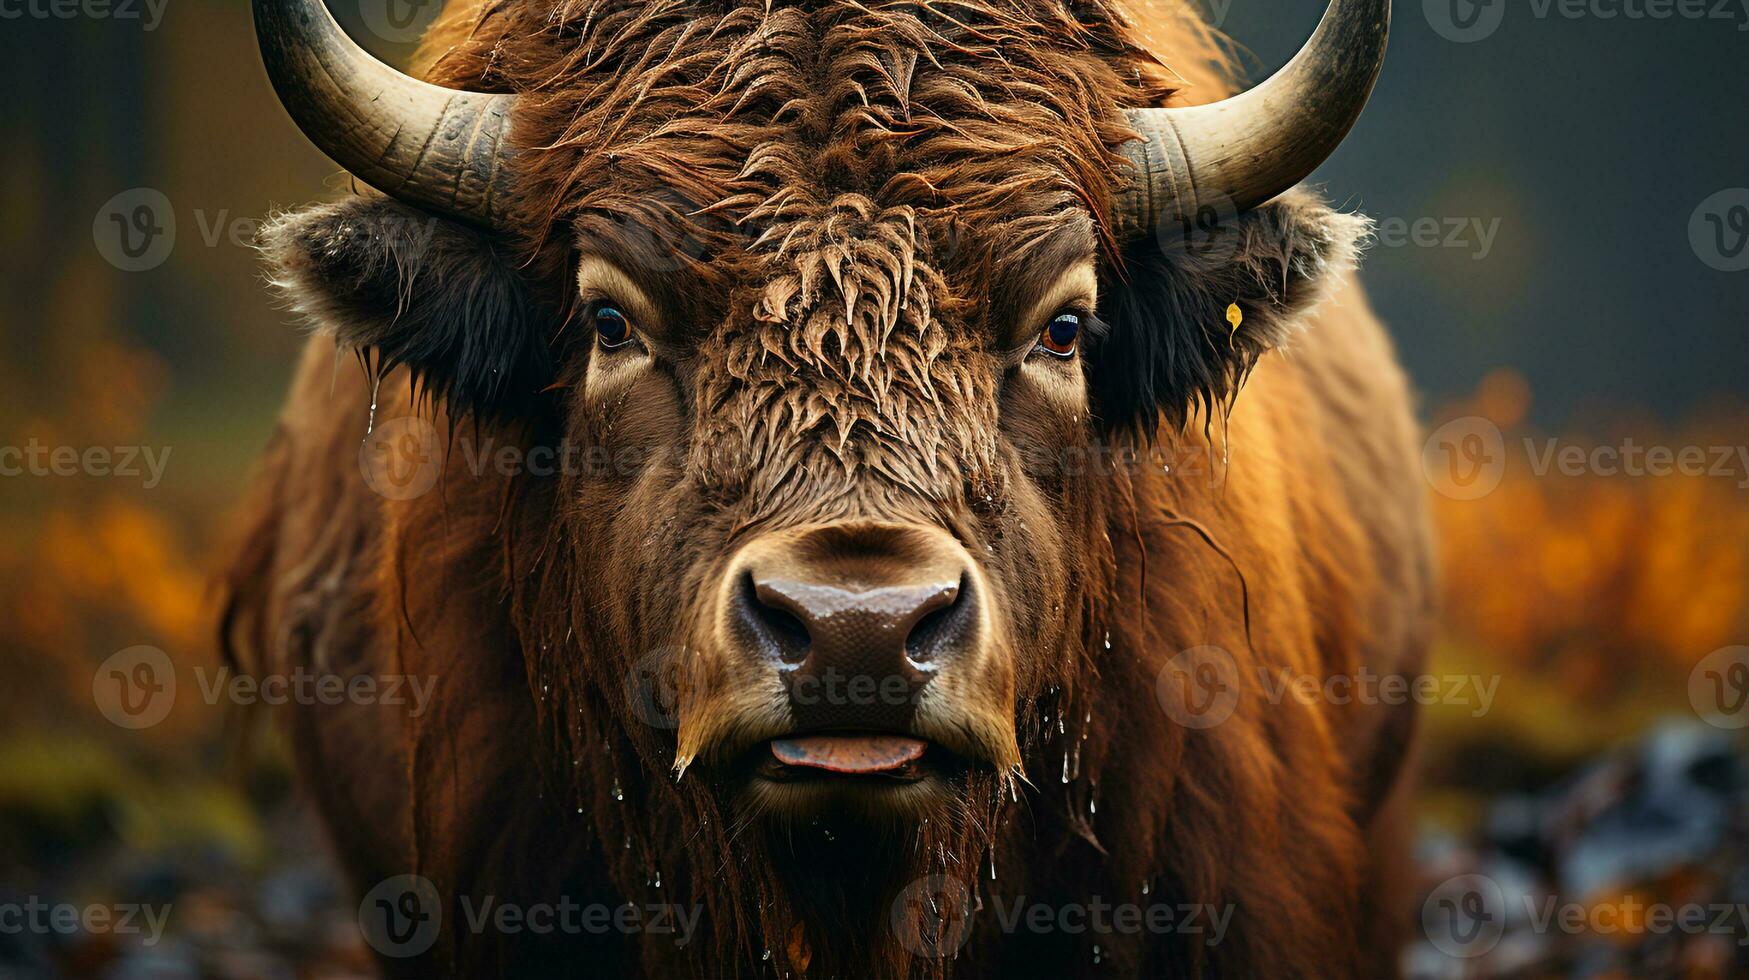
619	794
1065	767
1108	639
1147	885
1096	952
767	956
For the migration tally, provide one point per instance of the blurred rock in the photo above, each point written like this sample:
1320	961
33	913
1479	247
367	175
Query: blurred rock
1631	867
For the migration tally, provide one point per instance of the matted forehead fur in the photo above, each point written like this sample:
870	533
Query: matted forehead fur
834	202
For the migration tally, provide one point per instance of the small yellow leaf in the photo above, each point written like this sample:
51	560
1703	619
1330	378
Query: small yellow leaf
1235	316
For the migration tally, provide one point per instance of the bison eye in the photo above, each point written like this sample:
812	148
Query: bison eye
1060	335
612	328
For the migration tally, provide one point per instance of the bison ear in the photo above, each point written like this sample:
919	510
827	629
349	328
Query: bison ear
402	287
1170	347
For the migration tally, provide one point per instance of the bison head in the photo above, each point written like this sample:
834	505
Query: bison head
840	315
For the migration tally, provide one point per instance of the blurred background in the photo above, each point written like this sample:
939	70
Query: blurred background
1561	190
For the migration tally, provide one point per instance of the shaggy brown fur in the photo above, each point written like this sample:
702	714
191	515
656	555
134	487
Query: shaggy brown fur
839	210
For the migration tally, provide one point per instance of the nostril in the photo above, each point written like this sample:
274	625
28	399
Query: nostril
944	628
783	630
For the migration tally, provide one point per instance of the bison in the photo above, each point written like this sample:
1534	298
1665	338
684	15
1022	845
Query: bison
889	459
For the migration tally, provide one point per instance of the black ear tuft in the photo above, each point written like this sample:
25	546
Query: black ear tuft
1170	348
403	287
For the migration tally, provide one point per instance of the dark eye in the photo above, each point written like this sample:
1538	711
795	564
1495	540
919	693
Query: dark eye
1061	334
612	328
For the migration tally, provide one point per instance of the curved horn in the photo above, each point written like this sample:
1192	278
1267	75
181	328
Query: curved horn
437	148
1240	152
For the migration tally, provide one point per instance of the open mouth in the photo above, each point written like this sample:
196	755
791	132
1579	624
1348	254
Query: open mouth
852	756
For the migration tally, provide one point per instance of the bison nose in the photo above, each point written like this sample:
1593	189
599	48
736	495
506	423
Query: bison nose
856	618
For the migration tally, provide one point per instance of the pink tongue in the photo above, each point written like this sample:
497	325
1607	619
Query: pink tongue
848	753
